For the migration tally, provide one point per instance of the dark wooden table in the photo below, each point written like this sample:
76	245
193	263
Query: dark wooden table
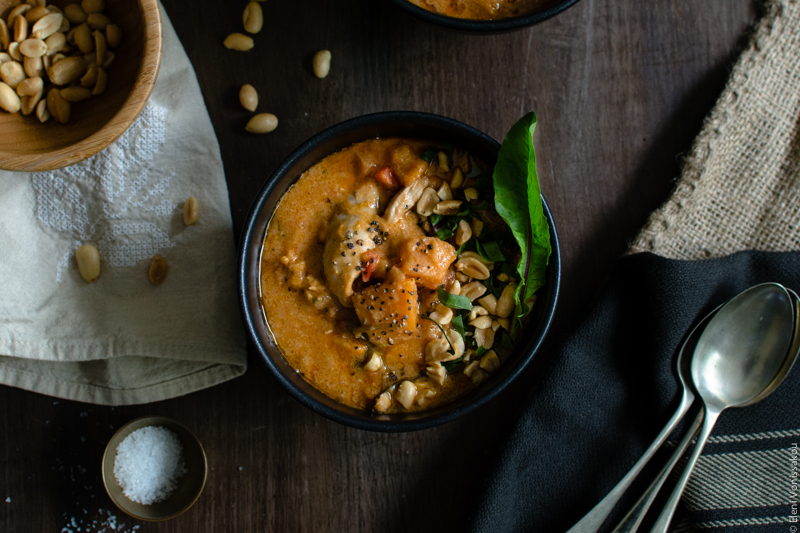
621	88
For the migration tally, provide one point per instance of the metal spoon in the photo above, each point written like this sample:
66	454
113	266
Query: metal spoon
740	359
633	519
595	518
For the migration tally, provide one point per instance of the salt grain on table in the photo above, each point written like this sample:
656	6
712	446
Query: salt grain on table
148	464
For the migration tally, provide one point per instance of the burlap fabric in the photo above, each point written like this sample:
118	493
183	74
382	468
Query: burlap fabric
740	187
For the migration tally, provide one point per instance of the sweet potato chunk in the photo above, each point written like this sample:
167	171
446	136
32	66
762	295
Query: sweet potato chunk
407	165
392	303
426	260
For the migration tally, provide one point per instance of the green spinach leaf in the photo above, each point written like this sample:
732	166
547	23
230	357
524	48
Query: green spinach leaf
518	201
452	301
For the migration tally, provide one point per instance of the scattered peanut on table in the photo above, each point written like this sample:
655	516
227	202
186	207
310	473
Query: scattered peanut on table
88	259
42	54
158	270
191	211
322	63
262	123
248	97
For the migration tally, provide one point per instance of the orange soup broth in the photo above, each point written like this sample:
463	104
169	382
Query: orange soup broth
479	9
319	343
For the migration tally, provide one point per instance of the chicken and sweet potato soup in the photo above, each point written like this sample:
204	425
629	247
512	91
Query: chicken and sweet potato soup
479	9
387	277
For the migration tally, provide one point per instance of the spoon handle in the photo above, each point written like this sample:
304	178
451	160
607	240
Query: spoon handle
594	519
662	523
634	518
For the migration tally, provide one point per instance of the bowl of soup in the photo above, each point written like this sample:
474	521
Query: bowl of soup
484	16
376	280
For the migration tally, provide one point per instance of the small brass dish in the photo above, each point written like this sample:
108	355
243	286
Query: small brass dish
190	485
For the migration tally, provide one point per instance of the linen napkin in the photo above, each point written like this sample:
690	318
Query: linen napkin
614	385
122	340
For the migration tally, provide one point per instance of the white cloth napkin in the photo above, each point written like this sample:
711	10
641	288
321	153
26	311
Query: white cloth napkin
122	340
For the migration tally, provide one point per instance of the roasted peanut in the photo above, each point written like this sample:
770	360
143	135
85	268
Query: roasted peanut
506	303
36	13
383	402
30	86
248	97
20	29
490	361
406	393
427	202
158	270
90	78
67	70
56	43
17	11
113	35
470	194
102	82
458	179
489	302
447	207
5	35
28	103
13	51
88	259
484	337
98	21
48	25
253	18
59	108
100	46
191	211
93	6
463	233
83	38
322	63
473	290
445	192
33	48
9	100
437	372
238	41
75	94
262	123
374	364
75	14
12	73
5	57
41	111
443	164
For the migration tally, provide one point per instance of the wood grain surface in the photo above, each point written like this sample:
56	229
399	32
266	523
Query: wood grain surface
620	87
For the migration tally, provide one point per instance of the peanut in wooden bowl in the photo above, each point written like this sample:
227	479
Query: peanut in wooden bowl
28	145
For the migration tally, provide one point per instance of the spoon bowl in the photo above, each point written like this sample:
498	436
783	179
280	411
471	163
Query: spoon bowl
744	346
742	356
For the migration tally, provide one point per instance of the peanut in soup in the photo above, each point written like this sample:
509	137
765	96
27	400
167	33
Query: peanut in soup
381	276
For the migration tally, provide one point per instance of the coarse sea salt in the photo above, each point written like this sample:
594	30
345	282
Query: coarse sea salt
148	464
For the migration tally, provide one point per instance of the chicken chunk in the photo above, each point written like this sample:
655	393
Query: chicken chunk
426	260
348	238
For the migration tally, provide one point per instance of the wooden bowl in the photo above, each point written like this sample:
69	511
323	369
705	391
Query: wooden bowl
189	488
27	145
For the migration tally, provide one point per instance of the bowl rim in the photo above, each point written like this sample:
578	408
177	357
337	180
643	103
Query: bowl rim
110	131
156	419
257	326
487	27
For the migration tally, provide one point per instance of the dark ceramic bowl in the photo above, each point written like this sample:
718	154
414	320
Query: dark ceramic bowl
548	8
390	124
